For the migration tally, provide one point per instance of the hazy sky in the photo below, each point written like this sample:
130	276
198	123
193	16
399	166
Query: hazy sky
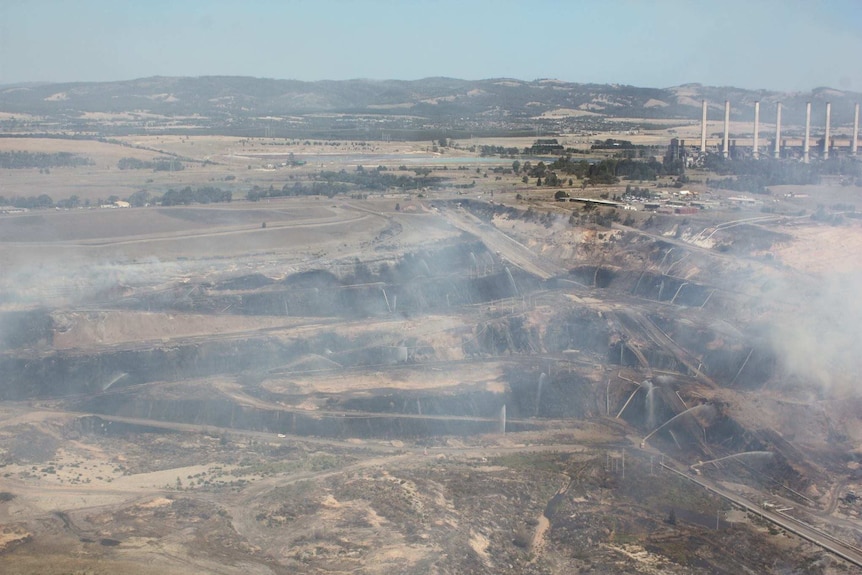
773	44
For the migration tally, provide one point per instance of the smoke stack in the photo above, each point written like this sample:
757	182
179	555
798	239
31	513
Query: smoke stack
703	129
755	151
854	147
726	149
826	136
778	131
805	143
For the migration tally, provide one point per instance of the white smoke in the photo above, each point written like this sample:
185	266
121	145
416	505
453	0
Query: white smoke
821	342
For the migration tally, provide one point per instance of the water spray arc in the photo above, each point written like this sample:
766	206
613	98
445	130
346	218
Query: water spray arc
543	379
628	401
114	380
745	454
512	282
704	408
650	402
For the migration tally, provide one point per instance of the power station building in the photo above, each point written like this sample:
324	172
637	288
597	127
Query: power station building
782	145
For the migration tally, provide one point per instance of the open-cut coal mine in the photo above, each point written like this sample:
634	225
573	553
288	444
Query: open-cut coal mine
456	378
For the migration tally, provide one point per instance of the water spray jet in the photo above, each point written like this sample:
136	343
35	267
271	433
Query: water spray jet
543	378
703	408
746	454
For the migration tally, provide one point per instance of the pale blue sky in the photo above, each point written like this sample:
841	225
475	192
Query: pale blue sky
772	44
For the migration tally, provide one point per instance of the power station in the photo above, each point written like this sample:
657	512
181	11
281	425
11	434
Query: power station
782	146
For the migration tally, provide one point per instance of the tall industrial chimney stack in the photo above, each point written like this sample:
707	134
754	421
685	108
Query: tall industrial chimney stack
726	149
805	144
826	136
755	148
778	132
703	130
854	147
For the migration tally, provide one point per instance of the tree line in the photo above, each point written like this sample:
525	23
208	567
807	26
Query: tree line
379	179
328	189
160	165
187	196
19	159
756	176
183	197
331	183
608	171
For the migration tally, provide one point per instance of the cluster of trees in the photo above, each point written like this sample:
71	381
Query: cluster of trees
592	215
544	146
328	189
469	186
379	179
331	183
568	166
69	203
791	171
755	176
44	201
637	192
140	198
540	170
29	203
772	170
184	197
750	184
420	171
501	151
612	144
611	170
41	160
204	195
160	165
834	219
608	171
552	180
542	173
565	164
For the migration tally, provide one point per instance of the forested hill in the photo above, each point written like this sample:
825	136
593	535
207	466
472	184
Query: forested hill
234	96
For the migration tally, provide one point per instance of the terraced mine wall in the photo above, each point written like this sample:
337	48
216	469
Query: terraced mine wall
647	285
65	374
332	299
28	374
227	414
26	328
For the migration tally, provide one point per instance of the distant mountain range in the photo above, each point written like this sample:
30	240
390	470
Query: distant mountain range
226	97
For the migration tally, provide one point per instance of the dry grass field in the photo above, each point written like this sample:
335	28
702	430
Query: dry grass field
234	164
